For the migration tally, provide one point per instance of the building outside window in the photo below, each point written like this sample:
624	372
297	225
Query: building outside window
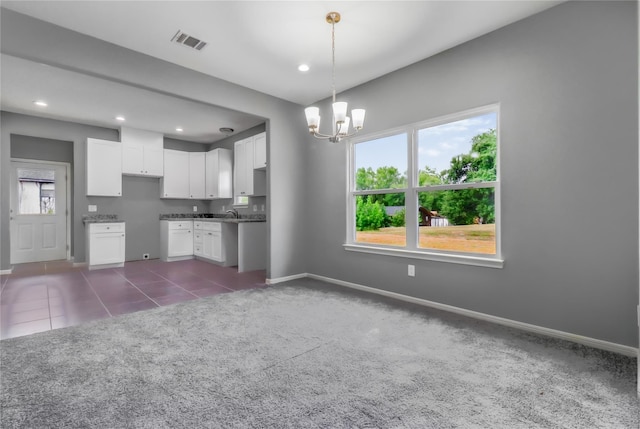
429	190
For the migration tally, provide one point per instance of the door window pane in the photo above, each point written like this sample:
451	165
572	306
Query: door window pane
36	191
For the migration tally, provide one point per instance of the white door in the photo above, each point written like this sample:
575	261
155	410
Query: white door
38	221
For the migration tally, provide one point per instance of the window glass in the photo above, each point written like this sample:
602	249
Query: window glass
380	219
36	192
461	220
381	163
463	151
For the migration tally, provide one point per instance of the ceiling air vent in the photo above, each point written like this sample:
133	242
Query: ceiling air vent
190	41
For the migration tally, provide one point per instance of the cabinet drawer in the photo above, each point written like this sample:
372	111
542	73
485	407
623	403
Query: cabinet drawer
106	227
212	226
178	225
197	236
197	224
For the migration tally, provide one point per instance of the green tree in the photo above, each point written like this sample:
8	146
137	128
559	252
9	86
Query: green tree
462	207
370	214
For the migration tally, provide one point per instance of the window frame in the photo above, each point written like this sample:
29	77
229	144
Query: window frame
412	249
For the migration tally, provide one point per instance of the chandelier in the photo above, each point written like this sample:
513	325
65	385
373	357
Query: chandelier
340	119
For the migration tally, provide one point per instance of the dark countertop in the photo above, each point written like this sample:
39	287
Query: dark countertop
100	218
214	217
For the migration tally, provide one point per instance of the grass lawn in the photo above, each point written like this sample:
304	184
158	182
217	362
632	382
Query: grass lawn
464	238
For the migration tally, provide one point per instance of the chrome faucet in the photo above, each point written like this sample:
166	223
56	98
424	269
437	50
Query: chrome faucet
234	212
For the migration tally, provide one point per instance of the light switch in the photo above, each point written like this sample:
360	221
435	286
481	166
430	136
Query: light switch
255	207
195	208
93	208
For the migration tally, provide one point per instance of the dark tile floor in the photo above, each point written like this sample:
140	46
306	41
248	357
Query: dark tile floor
43	296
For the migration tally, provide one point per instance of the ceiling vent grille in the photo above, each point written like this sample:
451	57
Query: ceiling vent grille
189	41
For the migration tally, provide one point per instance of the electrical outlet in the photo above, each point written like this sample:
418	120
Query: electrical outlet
255	207
411	270
195	208
262	208
93	208
223	207
145	256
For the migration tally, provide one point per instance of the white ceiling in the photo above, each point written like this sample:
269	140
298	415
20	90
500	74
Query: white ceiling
256	44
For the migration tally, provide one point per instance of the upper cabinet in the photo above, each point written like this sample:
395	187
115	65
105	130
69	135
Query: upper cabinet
142	152
246	180
175	182
196	175
218	174
104	168
184	174
260	150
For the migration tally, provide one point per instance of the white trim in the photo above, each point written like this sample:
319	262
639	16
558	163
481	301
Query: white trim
587	341
3	272
478	261
286	279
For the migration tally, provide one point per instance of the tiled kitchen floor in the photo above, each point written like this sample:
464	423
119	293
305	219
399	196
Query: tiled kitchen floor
43	296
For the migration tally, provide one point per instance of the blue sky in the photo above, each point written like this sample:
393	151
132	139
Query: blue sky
437	145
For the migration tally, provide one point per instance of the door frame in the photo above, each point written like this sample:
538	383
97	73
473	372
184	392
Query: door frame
67	168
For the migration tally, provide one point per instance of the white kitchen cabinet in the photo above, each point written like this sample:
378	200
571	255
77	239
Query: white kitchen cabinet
175	182
196	175
105	244
260	150
246	180
243	167
104	168
176	240
184	175
218	174
142	152
208	240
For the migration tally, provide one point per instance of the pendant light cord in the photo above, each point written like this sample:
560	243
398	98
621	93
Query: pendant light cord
333	59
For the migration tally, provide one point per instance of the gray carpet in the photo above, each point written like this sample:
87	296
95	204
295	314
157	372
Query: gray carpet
306	354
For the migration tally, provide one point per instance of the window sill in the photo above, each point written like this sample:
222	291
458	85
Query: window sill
430	256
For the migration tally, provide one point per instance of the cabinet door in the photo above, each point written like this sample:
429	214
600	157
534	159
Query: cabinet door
132	158
196	175
175	183
180	242
239	169
212	182
213	245
154	160
260	150
104	168
218	174
106	248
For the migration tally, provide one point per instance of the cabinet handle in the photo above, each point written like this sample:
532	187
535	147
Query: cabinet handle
123	235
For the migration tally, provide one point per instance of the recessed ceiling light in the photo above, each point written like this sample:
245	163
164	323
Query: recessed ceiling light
179	129
40	103
226	130
120	118
303	67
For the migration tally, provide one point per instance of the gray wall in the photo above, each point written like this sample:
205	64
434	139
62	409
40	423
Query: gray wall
567	83
29	38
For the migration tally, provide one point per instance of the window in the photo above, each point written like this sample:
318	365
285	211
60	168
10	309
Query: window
443	172
36	192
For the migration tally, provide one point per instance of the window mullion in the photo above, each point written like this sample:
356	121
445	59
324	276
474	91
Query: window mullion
411	197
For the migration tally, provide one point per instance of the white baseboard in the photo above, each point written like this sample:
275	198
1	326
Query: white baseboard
587	341
286	279
3	272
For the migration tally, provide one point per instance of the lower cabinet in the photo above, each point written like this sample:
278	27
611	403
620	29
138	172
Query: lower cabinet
176	240
216	241
105	245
